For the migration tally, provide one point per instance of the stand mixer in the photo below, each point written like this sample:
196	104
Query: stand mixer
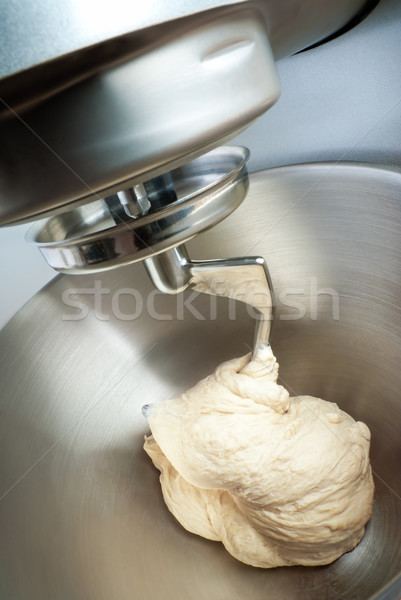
114	141
167	93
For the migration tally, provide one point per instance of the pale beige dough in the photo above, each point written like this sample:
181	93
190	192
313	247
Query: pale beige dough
278	480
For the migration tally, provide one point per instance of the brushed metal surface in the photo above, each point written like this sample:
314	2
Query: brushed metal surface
32	34
81	513
94	99
175	94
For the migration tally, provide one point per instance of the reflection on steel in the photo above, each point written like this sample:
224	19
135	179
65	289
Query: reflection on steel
245	279
81	514
197	196
88	239
180	92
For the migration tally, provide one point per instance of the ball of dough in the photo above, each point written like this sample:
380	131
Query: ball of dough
278	480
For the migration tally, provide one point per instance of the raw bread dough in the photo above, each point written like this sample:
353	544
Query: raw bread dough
278	480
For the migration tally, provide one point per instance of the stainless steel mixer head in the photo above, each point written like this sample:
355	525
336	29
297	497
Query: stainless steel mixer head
96	99
188	200
108	116
151	222
174	93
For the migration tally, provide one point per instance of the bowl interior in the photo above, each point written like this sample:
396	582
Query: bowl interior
81	510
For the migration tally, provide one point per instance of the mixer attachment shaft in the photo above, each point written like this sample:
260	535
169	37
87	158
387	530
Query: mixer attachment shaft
152	220
245	279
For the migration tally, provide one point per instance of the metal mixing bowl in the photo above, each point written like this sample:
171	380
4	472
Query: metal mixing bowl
81	511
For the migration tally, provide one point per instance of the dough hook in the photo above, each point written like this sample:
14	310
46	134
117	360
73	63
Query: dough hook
151	222
245	279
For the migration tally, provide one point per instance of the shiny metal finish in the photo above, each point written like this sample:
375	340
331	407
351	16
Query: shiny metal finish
81	512
244	279
97	237
78	25
135	201
222	179
96	98
183	91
